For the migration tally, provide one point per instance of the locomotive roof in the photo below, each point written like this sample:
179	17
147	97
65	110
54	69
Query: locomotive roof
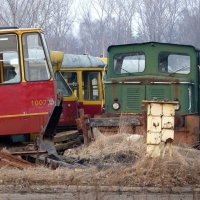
152	42
82	61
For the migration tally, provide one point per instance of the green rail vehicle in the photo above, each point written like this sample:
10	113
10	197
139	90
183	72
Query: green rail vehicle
153	71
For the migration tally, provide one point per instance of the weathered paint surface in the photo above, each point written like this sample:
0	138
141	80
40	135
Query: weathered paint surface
129	89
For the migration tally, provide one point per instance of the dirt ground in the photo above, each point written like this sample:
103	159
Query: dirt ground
91	196
115	160
97	193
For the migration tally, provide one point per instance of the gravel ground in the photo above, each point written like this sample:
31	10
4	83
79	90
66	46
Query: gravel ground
97	193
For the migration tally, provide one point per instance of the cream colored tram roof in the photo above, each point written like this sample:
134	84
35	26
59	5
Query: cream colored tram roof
82	61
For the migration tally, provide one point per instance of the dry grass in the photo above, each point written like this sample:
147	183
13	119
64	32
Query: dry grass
116	160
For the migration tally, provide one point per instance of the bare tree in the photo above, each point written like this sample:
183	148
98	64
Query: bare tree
93	26
106	22
188	25
55	17
25	13
59	28
124	13
14	13
157	20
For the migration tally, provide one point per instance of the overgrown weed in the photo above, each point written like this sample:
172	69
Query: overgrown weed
118	159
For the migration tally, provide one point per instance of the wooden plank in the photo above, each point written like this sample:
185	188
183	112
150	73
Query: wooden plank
66	136
67	145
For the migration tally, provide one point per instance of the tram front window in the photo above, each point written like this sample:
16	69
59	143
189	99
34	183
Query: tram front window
36	67
9	59
62	85
72	80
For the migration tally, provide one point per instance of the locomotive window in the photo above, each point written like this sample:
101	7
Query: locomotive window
9	59
36	68
173	63
62	85
129	63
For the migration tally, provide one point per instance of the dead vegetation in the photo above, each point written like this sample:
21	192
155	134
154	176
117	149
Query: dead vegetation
116	160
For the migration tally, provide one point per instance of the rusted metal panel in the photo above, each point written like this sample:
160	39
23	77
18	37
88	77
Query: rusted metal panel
167	122
189	133
149	79
160	126
166	134
153	138
83	125
168	110
23	153
144	117
155	109
115	121
154	124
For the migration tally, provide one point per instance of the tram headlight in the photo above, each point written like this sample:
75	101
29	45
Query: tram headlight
116	106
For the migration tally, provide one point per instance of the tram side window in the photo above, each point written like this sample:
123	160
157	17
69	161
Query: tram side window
9	59
36	68
72	79
8	73
12	73
91	85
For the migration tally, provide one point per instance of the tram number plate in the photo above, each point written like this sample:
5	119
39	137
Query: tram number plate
39	102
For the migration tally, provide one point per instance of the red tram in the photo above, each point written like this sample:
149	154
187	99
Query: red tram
28	90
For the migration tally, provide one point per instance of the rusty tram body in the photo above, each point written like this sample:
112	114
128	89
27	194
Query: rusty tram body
153	71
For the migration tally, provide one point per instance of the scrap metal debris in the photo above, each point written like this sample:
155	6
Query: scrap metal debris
6	159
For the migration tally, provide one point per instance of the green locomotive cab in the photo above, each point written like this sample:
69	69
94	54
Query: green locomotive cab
155	71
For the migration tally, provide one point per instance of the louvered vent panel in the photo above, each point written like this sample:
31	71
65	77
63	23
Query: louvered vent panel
133	100
158	93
